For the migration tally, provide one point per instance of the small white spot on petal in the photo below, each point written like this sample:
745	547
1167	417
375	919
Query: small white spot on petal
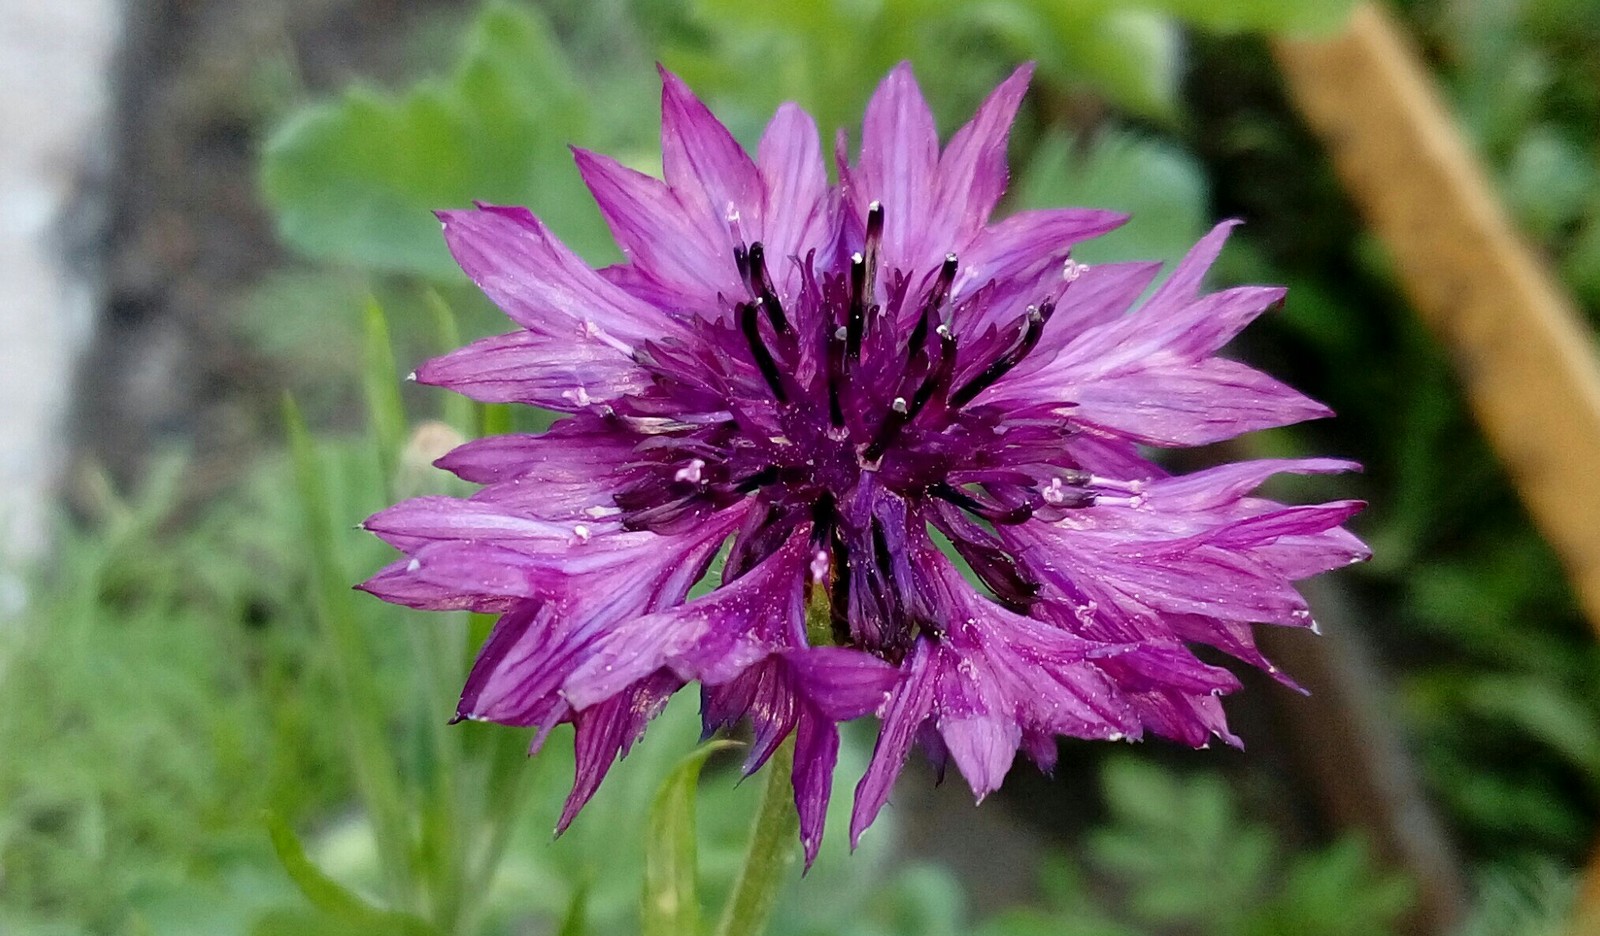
1072	269
413	566
412	376
691	472
899	405
580	533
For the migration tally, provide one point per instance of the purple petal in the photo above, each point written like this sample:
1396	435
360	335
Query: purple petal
541	370
816	750
606	732
1184	284
713	638
983	745
795	215
909	705
399	584
972	170
1176	404
1187	333
545	287
710	173
685	254
841	683
1026	254
1214	488
899	158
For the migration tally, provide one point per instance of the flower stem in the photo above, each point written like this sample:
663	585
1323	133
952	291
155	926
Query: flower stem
770	854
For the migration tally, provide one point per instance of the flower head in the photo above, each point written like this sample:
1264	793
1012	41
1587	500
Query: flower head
883	403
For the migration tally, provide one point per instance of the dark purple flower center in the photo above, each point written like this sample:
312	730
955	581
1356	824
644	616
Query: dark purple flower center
855	410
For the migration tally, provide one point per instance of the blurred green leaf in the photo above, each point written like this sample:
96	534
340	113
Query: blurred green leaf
332	898
356	180
1271	16
360	707
1548	181
1129	54
576	922
670	903
1160	186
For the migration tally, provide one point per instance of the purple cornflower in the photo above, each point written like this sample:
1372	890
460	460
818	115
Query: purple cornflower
871	394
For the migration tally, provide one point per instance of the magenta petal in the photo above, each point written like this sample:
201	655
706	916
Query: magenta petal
712	639
1215	488
909	705
413	523
899	158
567	452
816	750
1184	283
686	255
983	745
544	286
796	216
972	169
1191	404
842	683
540	370
398	583
1028	251
1186	333
710	173
606	732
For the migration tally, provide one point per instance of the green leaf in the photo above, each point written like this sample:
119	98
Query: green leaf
670	904
356	180
1160	186
1274	16
1548	181
329	896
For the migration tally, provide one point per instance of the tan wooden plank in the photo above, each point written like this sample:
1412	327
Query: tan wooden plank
1523	353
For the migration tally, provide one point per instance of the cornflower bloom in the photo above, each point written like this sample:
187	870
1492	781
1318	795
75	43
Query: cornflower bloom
871	394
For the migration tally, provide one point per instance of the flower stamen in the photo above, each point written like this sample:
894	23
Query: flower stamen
751	325
1037	316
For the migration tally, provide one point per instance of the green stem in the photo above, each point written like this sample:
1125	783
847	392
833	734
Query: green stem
770	854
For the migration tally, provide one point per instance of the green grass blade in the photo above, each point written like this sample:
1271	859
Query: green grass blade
380	379
360	705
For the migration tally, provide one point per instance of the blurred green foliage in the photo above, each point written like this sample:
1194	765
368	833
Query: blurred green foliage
1177	857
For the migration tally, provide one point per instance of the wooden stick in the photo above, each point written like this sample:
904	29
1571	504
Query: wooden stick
1524	355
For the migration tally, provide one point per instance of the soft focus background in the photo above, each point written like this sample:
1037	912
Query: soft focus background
184	671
